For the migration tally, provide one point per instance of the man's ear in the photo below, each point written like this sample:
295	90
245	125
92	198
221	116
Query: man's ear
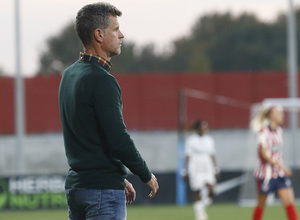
99	35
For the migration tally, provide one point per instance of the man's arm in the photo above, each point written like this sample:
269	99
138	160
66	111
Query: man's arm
108	110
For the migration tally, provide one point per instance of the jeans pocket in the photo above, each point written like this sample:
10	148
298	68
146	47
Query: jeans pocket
90	203
92	200
107	203
113	204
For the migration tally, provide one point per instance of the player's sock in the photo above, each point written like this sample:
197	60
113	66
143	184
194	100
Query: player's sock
207	201
200	213
257	214
291	212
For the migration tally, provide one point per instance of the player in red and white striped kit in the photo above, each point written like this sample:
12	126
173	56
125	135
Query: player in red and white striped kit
271	173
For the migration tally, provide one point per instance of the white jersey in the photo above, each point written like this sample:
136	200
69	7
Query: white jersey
200	150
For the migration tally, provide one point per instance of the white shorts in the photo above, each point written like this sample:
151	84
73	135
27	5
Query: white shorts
198	182
201	172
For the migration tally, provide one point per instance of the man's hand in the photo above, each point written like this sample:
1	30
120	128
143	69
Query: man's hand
153	185
129	192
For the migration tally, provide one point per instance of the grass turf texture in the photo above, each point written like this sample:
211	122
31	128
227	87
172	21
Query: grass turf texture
160	212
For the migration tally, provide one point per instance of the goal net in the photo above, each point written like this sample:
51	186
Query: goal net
247	195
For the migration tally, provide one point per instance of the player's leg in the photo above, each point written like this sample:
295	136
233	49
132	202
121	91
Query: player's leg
263	188
287	198
197	184
199	206
286	195
197	195
208	199
210	188
210	180
261	200
259	209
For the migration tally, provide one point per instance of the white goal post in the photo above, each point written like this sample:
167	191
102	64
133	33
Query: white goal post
286	103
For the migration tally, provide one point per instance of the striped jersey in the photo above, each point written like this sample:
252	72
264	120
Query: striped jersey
272	141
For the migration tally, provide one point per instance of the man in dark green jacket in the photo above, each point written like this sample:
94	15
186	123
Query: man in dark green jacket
97	144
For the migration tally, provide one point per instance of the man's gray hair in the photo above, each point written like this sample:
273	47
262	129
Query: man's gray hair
91	17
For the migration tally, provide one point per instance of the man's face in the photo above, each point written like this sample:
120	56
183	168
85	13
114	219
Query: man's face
112	38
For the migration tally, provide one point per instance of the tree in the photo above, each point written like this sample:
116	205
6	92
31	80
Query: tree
236	43
188	56
62	51
218	42
250	45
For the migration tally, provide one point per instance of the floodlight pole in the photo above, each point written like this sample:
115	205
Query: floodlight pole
292	75
180	184
19	96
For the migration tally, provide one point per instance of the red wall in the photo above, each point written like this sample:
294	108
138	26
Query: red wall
150	100
6	105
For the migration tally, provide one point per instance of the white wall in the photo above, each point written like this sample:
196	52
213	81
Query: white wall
44	153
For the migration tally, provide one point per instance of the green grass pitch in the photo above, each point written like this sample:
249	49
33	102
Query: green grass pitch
160	212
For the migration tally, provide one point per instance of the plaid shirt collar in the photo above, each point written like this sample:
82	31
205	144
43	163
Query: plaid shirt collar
92	57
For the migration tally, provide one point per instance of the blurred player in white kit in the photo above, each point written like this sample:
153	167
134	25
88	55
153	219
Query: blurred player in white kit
201	167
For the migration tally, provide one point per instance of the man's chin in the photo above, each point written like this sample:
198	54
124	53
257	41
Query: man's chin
115	53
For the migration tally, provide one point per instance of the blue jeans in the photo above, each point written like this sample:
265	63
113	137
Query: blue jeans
93	204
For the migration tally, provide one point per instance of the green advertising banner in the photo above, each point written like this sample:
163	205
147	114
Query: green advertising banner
32	192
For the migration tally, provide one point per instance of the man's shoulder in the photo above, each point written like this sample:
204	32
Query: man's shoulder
97	71
92	70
